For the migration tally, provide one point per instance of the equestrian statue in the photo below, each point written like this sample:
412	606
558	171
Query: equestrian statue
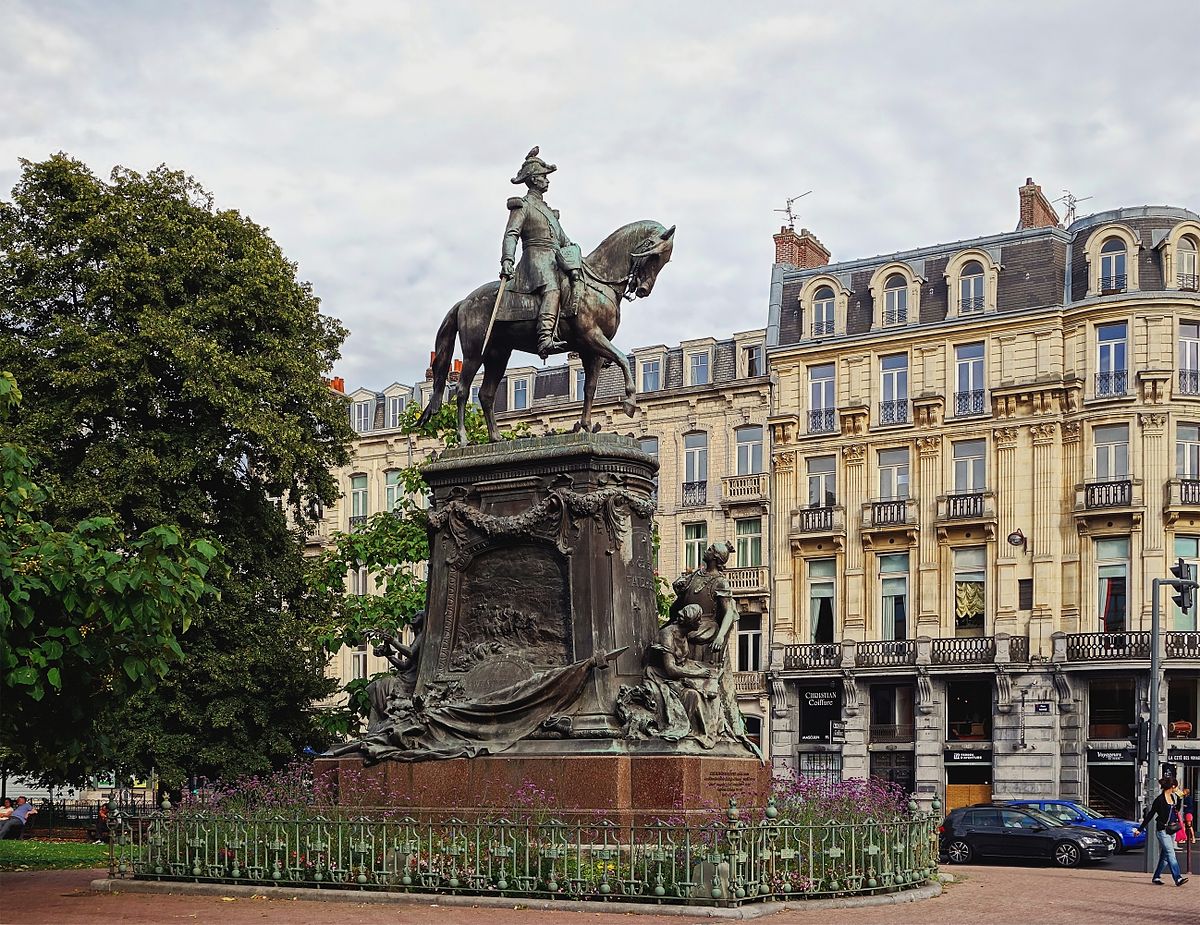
552	300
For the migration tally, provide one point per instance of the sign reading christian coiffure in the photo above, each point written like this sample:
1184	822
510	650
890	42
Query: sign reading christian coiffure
967	756
1110	755
820	706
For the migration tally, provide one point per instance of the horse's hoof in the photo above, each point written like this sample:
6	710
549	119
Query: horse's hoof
630	406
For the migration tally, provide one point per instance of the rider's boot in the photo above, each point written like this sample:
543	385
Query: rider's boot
547	321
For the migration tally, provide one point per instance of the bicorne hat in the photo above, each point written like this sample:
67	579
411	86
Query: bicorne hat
533	166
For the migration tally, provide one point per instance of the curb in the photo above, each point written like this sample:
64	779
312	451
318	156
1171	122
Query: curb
752	911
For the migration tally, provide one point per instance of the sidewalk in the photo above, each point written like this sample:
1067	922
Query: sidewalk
987	894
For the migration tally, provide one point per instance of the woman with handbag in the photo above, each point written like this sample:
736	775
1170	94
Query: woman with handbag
1167	810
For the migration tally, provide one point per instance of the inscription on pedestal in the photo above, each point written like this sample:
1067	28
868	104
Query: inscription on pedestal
729	782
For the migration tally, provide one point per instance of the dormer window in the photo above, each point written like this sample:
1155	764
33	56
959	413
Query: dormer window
1185	260
754	360
823	318
698	368
651	375
970	288
364	415
395	410
580	383
1112	266
520	394
895	300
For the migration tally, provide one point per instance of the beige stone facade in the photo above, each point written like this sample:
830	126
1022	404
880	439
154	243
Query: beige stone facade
982	455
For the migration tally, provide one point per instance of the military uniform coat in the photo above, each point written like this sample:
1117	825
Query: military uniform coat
536	226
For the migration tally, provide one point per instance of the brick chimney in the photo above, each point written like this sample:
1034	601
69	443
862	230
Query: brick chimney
802	251
1036	211
337	383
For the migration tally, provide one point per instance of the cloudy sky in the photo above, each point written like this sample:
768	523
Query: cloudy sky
376	139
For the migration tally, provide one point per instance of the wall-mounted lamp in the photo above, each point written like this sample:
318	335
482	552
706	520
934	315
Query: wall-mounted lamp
1017	538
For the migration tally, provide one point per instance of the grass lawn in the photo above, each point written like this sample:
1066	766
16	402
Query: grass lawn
31	854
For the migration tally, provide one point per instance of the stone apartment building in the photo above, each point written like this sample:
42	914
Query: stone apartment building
982	454
703	408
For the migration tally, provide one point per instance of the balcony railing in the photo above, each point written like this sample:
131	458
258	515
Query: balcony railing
892	732
1187	281
1111	284
1183	645
749	579
695	494
964	504
821	328
746	487
815	655
814	519
889	513
895	316
884	654
968	403
1090	647
979	650
1189	491
1112	493
357	520
1018	648
1112	383
893	412
970	306
749	682
1189	382
822	421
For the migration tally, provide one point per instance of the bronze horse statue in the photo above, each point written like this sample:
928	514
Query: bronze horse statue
624	266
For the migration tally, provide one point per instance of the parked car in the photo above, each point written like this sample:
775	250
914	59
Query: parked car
1071	813
997	830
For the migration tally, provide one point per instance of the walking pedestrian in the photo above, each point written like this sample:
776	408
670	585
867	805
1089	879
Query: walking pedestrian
1167	811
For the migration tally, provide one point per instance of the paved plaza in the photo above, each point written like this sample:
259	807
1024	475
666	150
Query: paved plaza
984	894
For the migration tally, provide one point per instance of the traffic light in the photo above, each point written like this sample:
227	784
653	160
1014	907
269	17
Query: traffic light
1143	739
1184	597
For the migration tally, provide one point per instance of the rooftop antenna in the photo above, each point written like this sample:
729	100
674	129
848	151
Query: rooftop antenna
1071	201
790	212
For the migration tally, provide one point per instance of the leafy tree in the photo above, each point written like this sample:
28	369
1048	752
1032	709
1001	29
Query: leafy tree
173	367
88	616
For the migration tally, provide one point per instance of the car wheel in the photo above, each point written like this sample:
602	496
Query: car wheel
1067	854
959	852
1121	847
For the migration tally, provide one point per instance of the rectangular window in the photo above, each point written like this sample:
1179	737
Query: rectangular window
969	472
1024	594
358	581
822	481
822	413
1112	709
359	508
749	542
1112	452
358	663
893	585
1189	358
749	450
651	375
393	489
1188	549
649	446
698	368
893	474
822	575
749	638
754	361
580	384
395	410
520	389
826	766
364	416
1187	451
970	566
1112	375
695	458
695	541
968	379
1112	570
893	409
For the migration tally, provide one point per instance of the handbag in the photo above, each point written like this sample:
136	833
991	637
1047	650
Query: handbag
1173	824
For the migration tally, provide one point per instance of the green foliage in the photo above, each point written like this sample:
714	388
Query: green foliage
31	854
173	364
86	613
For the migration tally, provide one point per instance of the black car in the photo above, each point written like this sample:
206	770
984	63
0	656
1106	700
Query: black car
999	831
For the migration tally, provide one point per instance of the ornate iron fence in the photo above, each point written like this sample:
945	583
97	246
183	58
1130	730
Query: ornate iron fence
972	402
695	494
815	519
813	655
967	650
893	412
722	863
882	654
1189	382
1113	493
964	504
1086	647
1018	648
822	421
1112	383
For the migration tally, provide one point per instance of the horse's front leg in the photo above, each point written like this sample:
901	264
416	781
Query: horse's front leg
592	363
607	350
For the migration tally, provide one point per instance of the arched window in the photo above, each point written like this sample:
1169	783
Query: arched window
1185	263
1112	266
895	300
823	308
970	288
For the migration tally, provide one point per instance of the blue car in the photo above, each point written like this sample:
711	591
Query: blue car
1072	813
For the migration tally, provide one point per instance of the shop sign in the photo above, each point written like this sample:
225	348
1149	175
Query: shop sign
820	708
967	756
837	731
1183	756
1109	755
1041	708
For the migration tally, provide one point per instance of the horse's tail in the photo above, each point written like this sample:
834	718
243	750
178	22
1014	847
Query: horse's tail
442	358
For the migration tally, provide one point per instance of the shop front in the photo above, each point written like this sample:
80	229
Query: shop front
822	730
968	776
1112	781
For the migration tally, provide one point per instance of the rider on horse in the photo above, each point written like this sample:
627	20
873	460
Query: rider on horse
545	248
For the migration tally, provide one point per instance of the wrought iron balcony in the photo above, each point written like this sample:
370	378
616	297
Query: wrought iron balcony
814	520
1111	284
1018	648
1091	647
895	316
1183	493
746	488
357	520
968	403
890	513
1109	493
814	655
892	732
821	328
964	505
893	412
695	494
977	650
1187	281
1183	645
970	306
1189	382
822	421
1112	383
885	653
749	580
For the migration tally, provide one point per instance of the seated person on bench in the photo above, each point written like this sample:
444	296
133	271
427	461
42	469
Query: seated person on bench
15	824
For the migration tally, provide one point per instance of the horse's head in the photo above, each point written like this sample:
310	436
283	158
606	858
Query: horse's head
647	259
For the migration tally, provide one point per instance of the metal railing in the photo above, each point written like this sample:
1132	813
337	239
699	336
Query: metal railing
881	654
970	306
1018	648
1114	493
750	578
891	732
822	421
751	487
968	403
895	315
1183	644
1112	383
893	412
968	650
820	328
357	520
965	504
1111	284
813	655
1187	281
695	494
725	862
1189	382
1088	647
815	519
889	513
1189	491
